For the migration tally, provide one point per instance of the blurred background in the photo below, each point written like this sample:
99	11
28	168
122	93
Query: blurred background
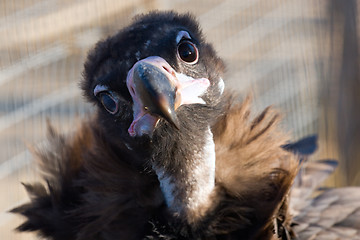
302	56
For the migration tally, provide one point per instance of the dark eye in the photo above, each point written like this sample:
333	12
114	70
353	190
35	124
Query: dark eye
108	101
188	52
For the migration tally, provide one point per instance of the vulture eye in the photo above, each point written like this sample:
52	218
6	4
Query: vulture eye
188	52
109	102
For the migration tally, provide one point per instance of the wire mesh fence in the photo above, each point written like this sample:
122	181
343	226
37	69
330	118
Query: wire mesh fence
280	51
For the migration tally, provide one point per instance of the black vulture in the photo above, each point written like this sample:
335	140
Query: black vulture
170	153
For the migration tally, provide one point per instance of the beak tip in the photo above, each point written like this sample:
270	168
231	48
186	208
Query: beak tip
176	123
171	117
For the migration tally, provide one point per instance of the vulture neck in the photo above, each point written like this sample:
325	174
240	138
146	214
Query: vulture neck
187	173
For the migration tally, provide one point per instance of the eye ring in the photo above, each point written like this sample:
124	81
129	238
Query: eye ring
187	52
108	101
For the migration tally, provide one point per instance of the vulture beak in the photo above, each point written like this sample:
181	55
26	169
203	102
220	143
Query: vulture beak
158	91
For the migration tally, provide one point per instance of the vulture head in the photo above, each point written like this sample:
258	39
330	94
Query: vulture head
157	86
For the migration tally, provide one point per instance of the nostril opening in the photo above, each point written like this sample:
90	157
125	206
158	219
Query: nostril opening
166	69
169	70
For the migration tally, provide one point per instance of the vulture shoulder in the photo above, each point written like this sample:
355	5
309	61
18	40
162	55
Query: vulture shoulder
91	190
254	169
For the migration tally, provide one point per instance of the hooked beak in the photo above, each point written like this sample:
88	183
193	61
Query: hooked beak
158	91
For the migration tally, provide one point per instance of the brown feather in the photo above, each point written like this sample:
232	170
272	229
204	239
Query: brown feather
252	166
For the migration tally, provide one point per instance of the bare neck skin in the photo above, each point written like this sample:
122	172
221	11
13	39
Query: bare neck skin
187	191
